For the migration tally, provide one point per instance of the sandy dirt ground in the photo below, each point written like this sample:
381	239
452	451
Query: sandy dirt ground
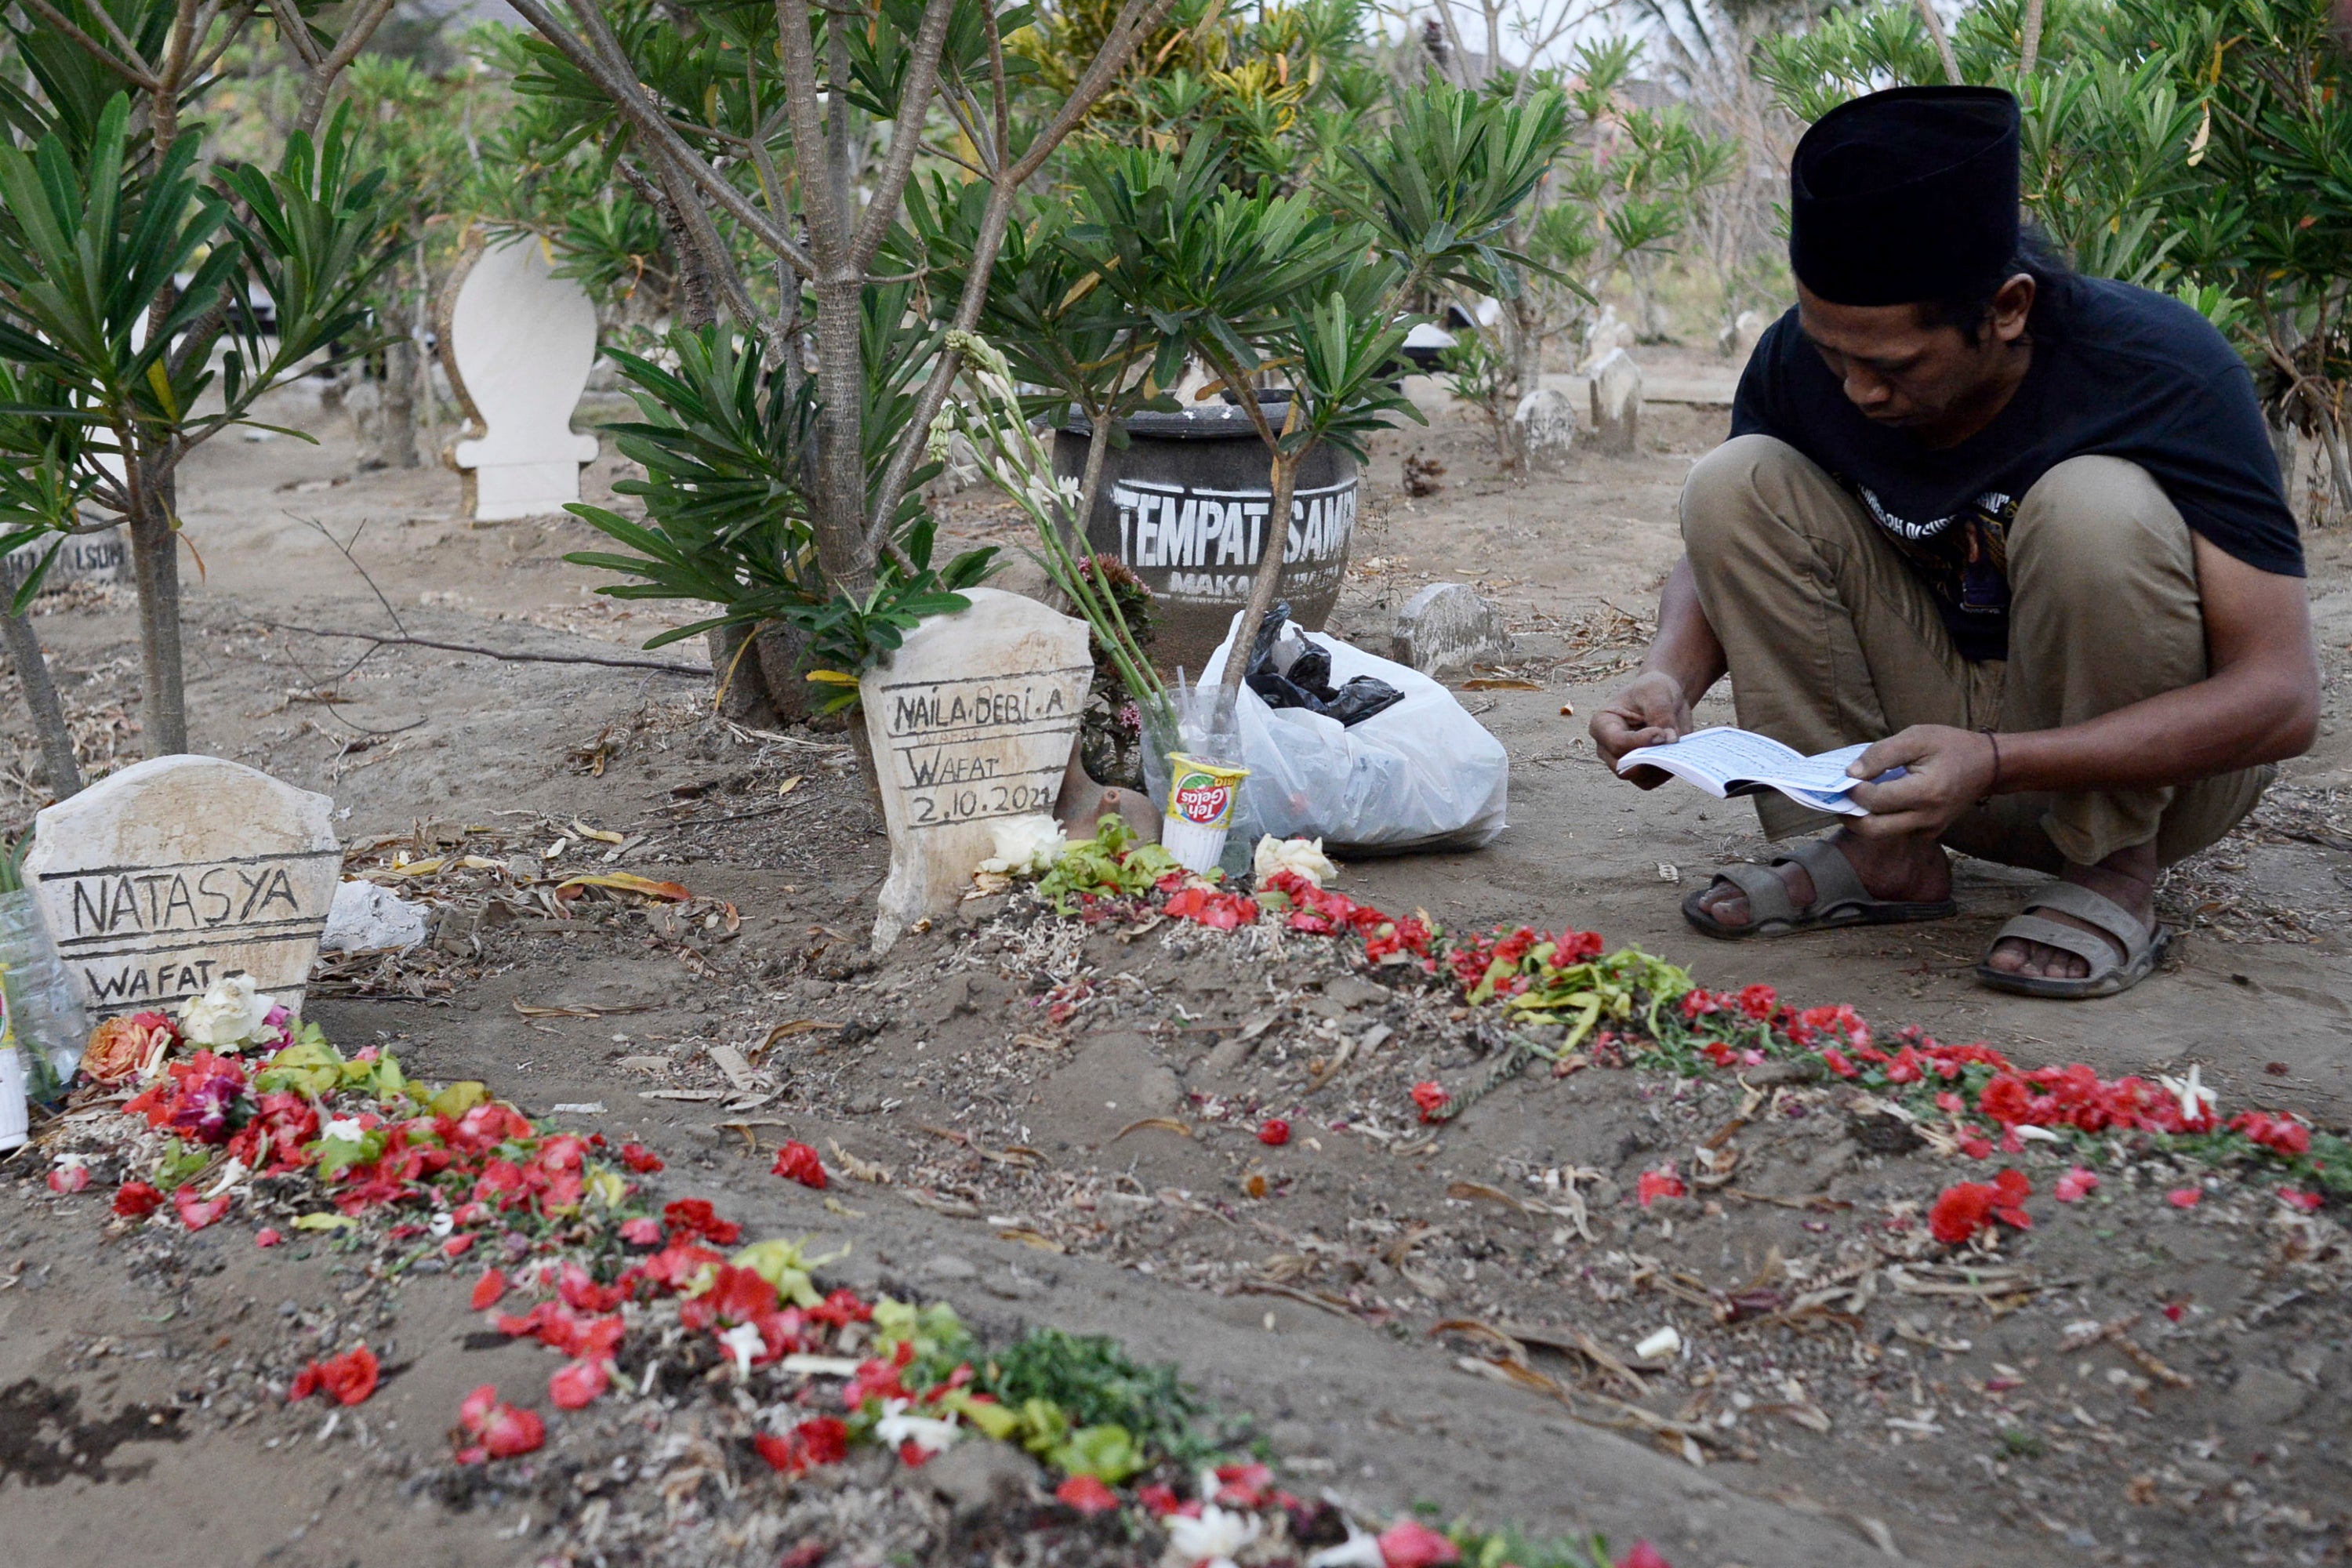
1979	1425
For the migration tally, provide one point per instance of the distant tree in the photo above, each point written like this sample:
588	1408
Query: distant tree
148	298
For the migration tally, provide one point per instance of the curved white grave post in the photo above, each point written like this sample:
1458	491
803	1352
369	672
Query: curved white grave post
517	345
177	871
972	721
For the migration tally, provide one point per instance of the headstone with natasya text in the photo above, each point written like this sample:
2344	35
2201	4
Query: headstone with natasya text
179	871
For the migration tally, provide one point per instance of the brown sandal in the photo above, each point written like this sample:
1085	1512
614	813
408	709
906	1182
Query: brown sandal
1839	898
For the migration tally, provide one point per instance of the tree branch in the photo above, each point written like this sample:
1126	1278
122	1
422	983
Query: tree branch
1136	19
718	262
127	65
619	83
999	97
1943	41
295	34
906	138
356	34
828	223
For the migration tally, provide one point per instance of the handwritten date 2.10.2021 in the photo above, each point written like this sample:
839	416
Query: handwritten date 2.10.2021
969	751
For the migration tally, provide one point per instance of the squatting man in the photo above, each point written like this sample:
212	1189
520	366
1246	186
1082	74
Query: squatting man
2021	529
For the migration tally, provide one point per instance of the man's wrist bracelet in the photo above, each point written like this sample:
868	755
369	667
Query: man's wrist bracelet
1993	787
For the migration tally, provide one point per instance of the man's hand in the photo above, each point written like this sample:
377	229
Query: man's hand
1651	712
1948	771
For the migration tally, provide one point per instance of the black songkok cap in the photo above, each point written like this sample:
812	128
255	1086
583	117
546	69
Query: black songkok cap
1905	195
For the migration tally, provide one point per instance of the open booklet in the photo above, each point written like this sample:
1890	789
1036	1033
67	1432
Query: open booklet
1725	761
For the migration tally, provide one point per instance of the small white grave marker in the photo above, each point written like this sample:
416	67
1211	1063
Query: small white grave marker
162	878
1545	422
517	345
972	721
1616	403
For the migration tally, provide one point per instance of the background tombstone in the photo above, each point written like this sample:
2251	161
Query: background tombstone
972	721
1738	340
162	878
1617	402
1604	337
102	557
1546	423
517	345
1446	630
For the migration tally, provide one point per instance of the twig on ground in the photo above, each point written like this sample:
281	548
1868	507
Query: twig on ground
505	655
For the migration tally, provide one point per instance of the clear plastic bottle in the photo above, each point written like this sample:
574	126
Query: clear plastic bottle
45	1017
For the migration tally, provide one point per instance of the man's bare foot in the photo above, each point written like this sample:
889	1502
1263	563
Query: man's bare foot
2127	878
1914	870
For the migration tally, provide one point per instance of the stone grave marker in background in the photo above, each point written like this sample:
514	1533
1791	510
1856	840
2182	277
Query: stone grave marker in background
1545	422
1446	630
1738	340
1617	404
517	345
972	721
159	880
102	557
1604	337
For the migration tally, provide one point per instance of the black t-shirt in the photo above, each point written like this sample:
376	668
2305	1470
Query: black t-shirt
2117	371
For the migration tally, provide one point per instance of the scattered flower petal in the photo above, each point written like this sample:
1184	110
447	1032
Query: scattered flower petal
800	1163
1087	1494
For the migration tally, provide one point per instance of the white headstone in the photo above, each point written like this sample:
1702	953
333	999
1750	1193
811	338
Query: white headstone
1616	403
176	871
1545	421
972	721
517	346
1605	337
1446	630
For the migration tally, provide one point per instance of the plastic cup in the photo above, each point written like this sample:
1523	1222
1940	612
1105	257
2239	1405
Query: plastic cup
1201	797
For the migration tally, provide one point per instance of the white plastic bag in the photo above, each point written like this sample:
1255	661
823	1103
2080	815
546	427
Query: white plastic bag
1419	774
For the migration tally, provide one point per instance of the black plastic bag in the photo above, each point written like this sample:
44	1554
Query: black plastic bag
1291	672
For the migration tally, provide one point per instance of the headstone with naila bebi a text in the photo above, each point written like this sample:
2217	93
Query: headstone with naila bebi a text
971	722
178	871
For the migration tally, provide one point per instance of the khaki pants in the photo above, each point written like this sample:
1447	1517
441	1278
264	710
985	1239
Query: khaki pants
1832	639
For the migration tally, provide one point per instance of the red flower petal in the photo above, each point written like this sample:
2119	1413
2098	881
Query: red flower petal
266	1236
1274	1133
1409	1544
800	1163
2185	1197
196	1214
487	1290
1086	1495
351	1376
578	1384
507	1432
476	1407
